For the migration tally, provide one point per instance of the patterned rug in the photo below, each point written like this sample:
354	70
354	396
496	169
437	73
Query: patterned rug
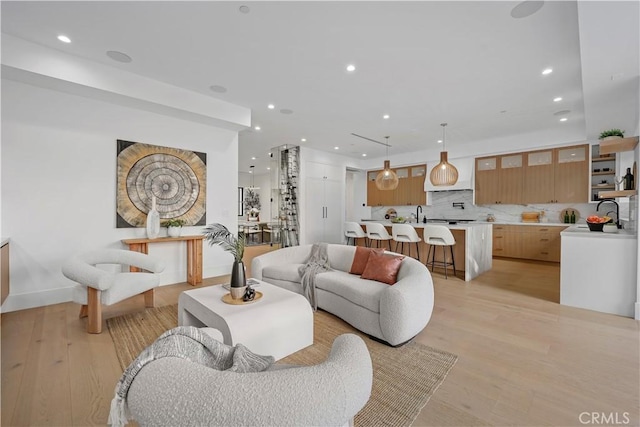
404	378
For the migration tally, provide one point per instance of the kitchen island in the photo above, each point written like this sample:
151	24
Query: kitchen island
598	270
472	251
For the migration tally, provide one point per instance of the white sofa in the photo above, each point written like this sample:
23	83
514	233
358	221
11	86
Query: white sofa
391	313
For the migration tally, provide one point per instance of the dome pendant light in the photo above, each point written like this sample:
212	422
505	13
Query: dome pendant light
386	178
444	173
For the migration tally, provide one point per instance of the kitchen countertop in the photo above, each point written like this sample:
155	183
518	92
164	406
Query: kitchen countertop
543	224
420	225
582	231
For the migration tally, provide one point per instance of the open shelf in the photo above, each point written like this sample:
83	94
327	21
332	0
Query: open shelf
603	173
603	159
614	194
618	145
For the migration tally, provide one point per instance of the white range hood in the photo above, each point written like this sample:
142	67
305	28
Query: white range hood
465	168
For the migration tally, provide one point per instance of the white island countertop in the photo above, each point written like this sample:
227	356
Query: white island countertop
582	231
420	225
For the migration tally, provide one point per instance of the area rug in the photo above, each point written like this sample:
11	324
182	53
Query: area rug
404	378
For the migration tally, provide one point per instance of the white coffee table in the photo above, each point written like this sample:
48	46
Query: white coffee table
277	325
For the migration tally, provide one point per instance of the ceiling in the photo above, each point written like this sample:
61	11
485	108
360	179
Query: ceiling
470	64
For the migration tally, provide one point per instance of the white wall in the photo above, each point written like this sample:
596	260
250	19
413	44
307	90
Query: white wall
59	184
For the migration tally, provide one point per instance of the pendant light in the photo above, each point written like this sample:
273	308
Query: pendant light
444	173
386	178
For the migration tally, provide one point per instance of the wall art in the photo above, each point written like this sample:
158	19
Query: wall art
177	178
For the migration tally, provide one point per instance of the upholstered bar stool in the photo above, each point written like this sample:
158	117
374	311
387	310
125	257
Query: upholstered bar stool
439	235
377	232
353	230
406	233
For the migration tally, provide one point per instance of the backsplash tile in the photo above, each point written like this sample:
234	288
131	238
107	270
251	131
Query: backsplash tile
442	207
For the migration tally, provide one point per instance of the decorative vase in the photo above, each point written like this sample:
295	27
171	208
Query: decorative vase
238	282
174	231
153	221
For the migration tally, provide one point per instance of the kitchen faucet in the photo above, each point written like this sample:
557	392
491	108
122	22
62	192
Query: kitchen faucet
617	210
418	211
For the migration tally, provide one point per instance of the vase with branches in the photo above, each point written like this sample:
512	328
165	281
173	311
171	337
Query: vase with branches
219	235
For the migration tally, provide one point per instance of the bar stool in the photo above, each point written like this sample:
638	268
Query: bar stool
376	231
439	235
353	230
405	233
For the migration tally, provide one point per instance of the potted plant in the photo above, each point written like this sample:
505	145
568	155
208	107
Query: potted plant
174	226
218	234
611	134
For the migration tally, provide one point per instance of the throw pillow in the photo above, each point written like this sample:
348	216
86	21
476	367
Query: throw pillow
382	268
360	259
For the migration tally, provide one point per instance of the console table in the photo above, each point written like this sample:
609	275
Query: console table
194	253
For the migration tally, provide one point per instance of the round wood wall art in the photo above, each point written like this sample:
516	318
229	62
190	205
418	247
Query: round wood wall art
175	177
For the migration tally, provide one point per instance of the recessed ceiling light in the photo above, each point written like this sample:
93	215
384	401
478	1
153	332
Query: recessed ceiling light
119	56
64	38
244	9
286	111
251	171
439	141
562	113
303	139
253	158
564	119
547	71
557	99
364	154
386	116
271	106
351	68
218	88
526	8
257	128
268	168
336	148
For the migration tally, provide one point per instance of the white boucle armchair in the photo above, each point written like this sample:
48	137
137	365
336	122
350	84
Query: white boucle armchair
97	286
172	391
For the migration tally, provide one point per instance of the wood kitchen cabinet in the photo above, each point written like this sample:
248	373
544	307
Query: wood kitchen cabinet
558	175
499	179
535	242
410	190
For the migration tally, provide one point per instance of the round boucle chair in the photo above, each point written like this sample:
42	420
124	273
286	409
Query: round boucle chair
97	286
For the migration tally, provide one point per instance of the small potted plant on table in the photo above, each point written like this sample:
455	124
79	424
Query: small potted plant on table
174	226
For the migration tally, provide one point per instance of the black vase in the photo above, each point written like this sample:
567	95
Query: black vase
238	276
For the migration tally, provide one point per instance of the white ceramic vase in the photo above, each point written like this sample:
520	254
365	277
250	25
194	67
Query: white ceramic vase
153	221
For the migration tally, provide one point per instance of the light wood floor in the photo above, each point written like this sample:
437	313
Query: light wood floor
523	359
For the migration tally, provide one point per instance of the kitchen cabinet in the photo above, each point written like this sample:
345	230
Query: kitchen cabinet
499	179
418	195
324	203
558	175
410	190
535	242
571	184
617	146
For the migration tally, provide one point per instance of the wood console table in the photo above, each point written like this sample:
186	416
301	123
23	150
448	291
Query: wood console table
194	253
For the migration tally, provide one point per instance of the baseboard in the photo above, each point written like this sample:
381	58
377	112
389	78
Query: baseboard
17	302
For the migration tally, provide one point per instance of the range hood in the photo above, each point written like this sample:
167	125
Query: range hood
465	168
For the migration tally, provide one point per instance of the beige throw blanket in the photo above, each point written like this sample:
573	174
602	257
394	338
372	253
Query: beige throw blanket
318	262
190	343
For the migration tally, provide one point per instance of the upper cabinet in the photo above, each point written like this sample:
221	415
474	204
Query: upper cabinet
409	191
499	179
559	175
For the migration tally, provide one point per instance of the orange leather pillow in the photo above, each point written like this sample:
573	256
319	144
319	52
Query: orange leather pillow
382	268
360	259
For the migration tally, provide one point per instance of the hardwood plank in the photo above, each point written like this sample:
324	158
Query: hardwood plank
523	359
